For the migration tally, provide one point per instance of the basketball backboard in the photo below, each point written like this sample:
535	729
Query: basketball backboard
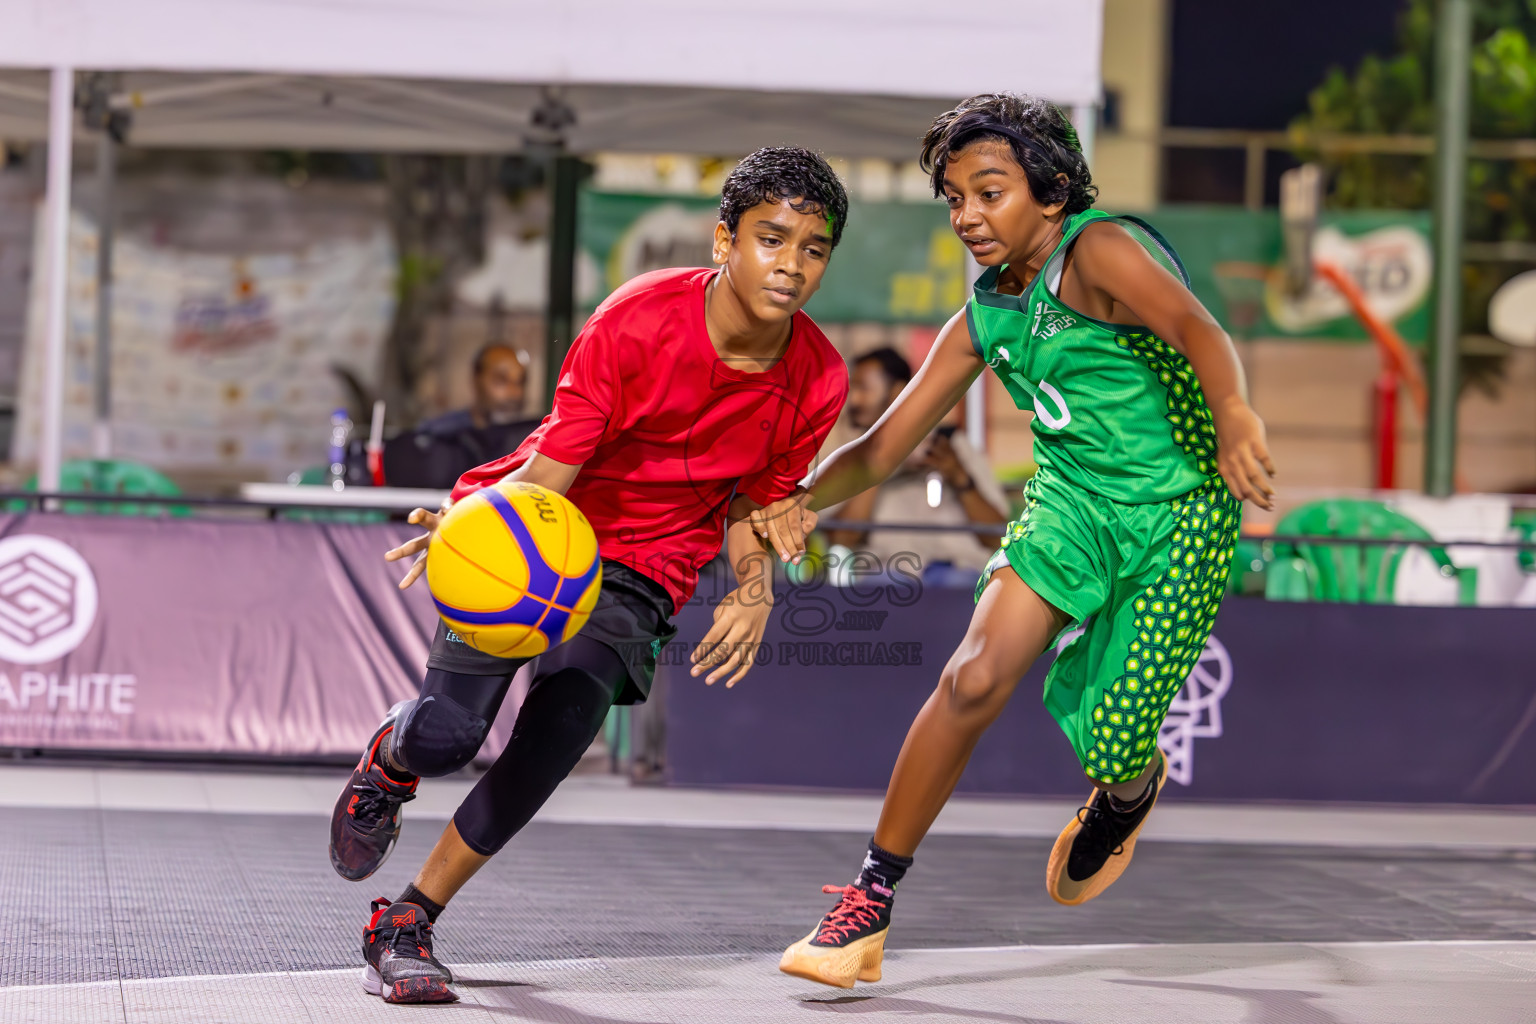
1301	200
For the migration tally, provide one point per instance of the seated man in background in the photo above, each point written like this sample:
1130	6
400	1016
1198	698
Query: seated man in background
442	449
947	482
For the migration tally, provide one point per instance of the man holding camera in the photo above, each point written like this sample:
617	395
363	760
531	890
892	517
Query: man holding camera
946	483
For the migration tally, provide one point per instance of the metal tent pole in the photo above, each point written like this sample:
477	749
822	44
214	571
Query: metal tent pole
560	318
1085	118
61	111
106	175
976	394
1453	56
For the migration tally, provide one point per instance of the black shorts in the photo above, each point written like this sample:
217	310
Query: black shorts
633	616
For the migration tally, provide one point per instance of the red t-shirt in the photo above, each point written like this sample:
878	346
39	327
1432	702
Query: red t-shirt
666	432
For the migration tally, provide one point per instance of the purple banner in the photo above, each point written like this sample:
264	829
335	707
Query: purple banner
202	636
290	639
1290	702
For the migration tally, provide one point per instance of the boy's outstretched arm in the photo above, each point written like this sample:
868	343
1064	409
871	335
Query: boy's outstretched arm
951	366
1108	260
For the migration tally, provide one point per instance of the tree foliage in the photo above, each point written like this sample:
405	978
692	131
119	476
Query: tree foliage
1395	95
1391	95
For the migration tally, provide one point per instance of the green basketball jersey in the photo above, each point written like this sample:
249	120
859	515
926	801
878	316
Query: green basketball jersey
1117	411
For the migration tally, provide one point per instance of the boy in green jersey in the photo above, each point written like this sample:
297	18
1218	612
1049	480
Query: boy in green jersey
1147	448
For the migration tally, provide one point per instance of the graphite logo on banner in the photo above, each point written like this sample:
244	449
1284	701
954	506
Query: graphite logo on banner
48	604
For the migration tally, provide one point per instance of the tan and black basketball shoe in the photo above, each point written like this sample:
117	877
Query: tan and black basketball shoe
1096	847
849	943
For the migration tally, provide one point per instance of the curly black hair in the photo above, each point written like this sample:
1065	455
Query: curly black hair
1043	142
776	173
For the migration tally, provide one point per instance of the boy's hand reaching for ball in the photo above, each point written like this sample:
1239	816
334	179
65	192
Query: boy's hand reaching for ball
418	545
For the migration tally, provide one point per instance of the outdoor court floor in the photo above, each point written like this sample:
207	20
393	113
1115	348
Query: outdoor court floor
180	896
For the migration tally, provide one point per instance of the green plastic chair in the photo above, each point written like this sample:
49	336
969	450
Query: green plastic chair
315	475
1363	574
113	476
1524	520
814	563
1249	569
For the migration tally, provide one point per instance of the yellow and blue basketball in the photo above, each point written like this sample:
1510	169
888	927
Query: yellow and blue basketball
514	570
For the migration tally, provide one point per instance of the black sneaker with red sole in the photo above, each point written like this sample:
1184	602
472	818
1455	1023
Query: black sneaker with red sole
366	820
397	944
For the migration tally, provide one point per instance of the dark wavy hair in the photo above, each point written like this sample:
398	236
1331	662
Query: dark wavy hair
778	173
1043	142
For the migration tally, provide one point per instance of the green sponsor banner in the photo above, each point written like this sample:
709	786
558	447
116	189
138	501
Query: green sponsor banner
896	263
901	262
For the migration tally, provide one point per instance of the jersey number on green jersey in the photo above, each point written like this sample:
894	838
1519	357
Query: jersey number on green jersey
1055	419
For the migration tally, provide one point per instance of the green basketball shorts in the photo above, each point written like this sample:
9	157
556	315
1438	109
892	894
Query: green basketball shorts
1144	582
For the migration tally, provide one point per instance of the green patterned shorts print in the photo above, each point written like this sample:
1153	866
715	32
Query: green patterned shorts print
1144	582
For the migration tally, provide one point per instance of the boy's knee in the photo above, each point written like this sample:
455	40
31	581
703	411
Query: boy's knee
437	736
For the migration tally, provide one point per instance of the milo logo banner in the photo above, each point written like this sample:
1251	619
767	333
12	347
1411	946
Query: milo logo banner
899	262
1235	263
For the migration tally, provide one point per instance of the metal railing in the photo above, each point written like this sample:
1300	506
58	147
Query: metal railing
39	502
990	530
1257	145
32	501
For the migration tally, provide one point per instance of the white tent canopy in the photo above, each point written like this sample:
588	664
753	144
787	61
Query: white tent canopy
855	78
869	47
228	111
466	75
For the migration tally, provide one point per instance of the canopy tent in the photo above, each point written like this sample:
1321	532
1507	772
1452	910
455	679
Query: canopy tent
856	78
253	111
870	47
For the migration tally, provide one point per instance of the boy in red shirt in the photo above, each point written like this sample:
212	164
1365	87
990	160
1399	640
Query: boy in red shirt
690	399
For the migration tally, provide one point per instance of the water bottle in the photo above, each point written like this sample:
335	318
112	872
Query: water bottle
341	430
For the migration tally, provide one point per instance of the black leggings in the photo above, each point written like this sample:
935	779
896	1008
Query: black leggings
573	687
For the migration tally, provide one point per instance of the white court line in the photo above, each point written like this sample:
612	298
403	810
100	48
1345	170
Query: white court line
602	963
1090	947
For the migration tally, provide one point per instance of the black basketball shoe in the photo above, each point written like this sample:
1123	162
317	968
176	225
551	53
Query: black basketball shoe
366	821
398	947
1097	845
